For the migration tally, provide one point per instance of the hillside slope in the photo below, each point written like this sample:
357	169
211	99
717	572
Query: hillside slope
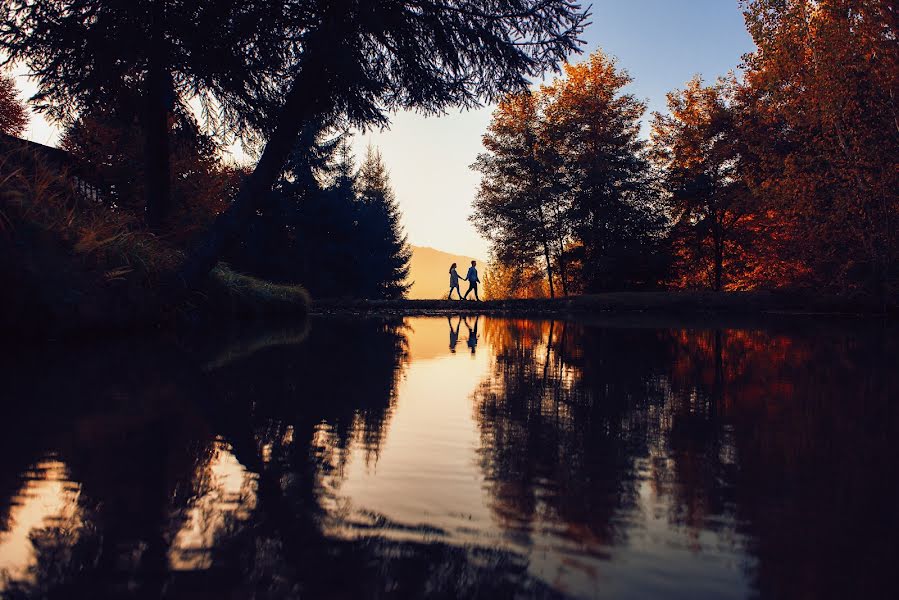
429	272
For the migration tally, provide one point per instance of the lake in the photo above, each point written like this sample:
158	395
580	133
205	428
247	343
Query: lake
350	457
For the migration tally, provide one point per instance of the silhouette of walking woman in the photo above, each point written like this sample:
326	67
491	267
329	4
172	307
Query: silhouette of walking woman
472	333
454	334
454	282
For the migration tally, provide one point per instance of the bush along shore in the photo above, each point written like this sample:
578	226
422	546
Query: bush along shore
71	264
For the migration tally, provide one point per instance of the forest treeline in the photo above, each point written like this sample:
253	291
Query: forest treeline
149	91
328	224
784	176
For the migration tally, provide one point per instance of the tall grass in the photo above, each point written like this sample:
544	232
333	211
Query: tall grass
71	261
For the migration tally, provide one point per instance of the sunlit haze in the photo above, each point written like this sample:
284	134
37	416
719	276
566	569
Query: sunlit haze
662	43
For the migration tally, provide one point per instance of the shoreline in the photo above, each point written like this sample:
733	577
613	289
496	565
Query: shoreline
781	304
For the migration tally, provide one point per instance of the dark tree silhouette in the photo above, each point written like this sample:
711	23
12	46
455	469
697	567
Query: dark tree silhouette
13	115
305	232
359	59
697	148
89	53
332	228
384	254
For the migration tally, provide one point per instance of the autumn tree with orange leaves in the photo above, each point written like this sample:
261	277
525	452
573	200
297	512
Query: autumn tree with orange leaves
697	150
614	216
821	117
566	182
519	207
13	115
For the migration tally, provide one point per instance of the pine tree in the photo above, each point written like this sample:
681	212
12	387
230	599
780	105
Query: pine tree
385	251
338	230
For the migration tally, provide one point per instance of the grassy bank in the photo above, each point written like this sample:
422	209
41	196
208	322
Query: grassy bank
71	262
676	303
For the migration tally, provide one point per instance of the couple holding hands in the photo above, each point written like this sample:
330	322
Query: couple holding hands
471	278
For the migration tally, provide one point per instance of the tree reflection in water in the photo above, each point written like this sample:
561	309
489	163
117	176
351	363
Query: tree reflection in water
784	439
212	465
205	467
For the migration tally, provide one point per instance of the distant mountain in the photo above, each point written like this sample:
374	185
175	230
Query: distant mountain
429	272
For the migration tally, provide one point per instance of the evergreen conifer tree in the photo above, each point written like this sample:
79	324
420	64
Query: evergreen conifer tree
386	253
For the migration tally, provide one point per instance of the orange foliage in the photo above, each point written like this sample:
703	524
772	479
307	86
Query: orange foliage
698	149
821	119
510	281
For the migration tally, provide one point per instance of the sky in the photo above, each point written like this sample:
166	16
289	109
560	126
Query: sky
662	43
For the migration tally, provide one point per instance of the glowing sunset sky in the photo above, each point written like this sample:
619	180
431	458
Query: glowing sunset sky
662	43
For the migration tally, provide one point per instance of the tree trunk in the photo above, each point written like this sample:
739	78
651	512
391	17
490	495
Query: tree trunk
157	168
717	250
546	253
549	269
297	110
719	267
563	269
157	106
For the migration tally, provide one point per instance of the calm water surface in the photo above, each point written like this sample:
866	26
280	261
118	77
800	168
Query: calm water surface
435	457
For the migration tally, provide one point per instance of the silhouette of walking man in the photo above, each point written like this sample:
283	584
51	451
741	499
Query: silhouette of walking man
473	281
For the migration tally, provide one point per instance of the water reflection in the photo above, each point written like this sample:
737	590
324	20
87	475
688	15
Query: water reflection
355	457
472	333
767	449
453	332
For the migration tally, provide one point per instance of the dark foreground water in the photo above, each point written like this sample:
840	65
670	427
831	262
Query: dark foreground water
429	457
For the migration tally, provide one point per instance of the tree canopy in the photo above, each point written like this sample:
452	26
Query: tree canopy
821	120
697	148
268	69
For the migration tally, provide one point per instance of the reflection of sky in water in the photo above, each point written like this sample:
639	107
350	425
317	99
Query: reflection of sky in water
426	485
47	499
426	471
226	492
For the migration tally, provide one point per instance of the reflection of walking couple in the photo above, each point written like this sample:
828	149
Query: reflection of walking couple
454	333
471	278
